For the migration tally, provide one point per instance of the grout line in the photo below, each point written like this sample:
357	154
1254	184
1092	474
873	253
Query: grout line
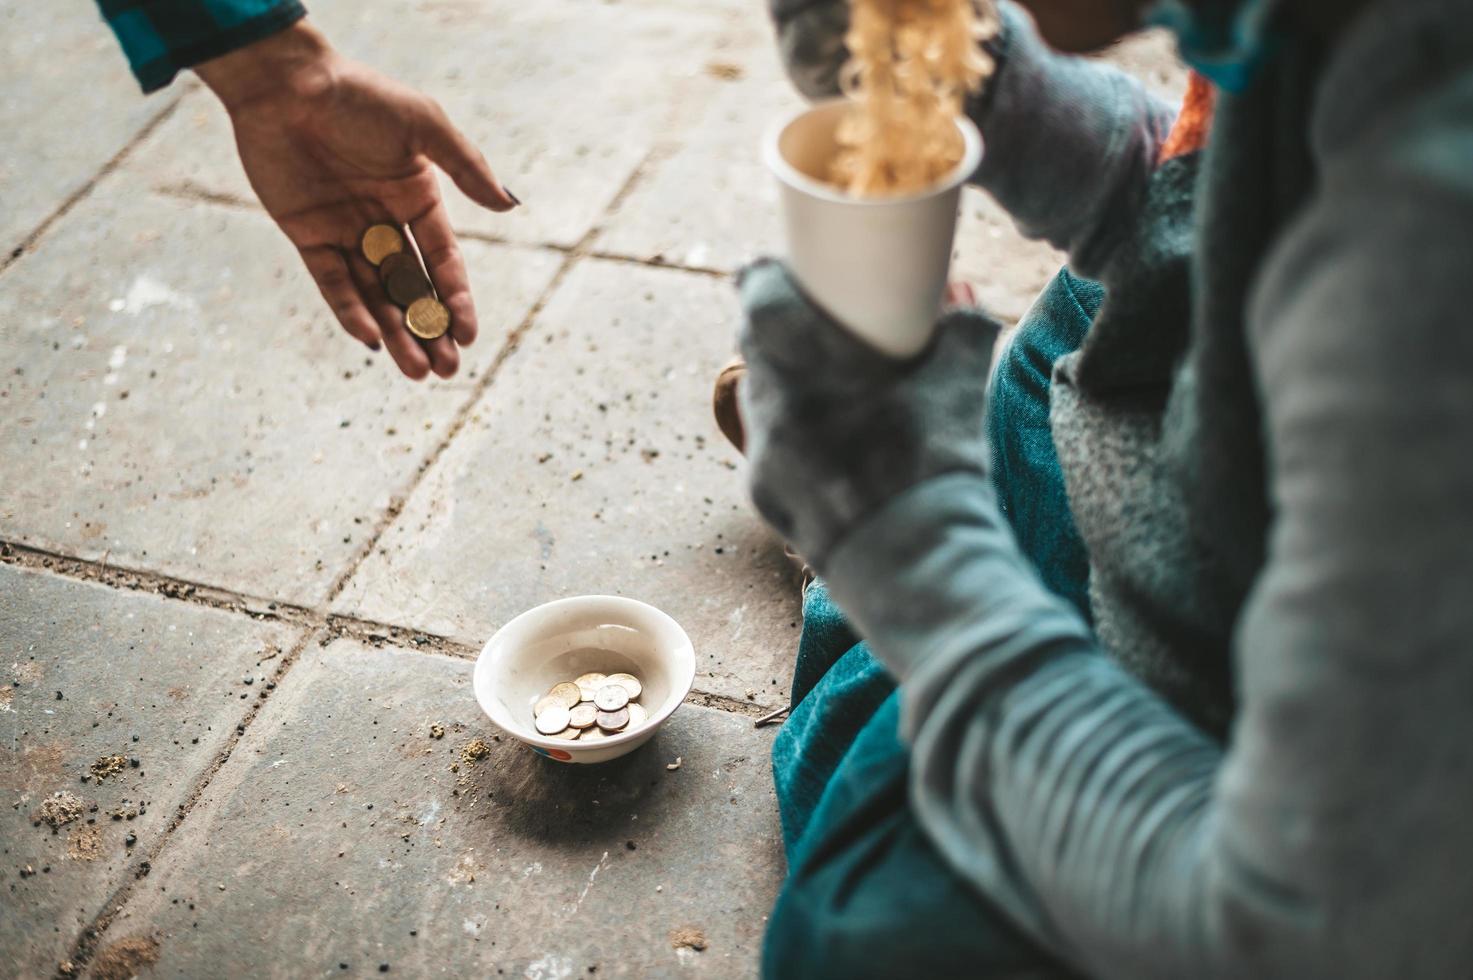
77	196
124	577
187	190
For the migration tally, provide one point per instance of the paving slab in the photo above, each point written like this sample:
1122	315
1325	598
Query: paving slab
87	673
176	397
593	466
68	104
565	97
341	835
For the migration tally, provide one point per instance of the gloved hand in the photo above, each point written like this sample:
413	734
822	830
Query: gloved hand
835	429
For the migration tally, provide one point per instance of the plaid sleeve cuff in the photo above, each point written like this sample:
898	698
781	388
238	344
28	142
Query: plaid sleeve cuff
163	37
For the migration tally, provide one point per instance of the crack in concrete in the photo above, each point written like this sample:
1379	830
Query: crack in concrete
76	197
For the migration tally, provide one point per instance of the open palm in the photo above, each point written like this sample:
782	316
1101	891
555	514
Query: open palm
351	149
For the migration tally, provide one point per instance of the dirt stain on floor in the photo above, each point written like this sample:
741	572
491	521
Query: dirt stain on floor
126	958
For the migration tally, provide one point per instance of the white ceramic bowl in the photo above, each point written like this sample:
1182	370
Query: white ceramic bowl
560	640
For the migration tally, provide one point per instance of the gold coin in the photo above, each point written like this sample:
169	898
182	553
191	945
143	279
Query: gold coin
582	715
545	702
628	682
610	697
567	734
381	241
405	282
592	735
588	684
613	721
637	715
566	693
553	720
427	318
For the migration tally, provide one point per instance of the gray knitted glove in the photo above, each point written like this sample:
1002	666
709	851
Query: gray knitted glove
834	428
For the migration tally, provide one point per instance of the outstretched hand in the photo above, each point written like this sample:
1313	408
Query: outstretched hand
332	147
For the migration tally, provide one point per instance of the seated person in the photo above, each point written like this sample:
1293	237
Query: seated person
1213	719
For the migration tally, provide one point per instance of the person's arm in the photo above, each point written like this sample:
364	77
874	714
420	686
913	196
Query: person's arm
331	147
1069	143
1331	838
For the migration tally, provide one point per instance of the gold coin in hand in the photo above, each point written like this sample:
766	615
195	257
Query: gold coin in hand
427	318
381	241
403	279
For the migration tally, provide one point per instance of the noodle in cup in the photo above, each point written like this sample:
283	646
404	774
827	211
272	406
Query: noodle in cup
877	265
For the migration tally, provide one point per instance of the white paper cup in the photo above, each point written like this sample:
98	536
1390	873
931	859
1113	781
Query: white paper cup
876	265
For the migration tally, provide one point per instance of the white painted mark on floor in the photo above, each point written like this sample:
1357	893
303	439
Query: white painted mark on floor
146	293
573	909
549	967
535	868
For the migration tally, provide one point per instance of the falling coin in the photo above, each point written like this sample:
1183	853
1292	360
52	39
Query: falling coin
427	318
405	282
628	682
610	697
381	241
553	720
613	721
566	693
583	715
589	684
637	715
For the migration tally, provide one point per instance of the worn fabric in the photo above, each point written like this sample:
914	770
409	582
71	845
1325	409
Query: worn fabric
864	878
1296	444
1023	462
163	37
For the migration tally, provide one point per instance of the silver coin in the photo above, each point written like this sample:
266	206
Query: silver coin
628	682
611	697
637	715
553	720
582	715
613	721
588	684
567	694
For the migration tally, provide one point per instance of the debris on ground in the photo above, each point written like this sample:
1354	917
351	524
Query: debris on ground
84	844
688	937
672	766
725	70
437	732
126	958
475	750
61	809
107	765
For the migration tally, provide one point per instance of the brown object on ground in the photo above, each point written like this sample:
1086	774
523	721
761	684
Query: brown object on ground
61	809
475	750
725	70
84	844
724	403
125	958
437	732
688	937
107	765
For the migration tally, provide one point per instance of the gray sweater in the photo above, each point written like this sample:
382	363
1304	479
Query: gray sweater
1262	763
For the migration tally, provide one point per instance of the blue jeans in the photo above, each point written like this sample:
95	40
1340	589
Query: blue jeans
867	894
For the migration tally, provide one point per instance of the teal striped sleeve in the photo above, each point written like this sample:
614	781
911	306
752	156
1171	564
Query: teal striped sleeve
163	37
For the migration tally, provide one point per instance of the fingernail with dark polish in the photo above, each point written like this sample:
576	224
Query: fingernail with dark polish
375	347
514	199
